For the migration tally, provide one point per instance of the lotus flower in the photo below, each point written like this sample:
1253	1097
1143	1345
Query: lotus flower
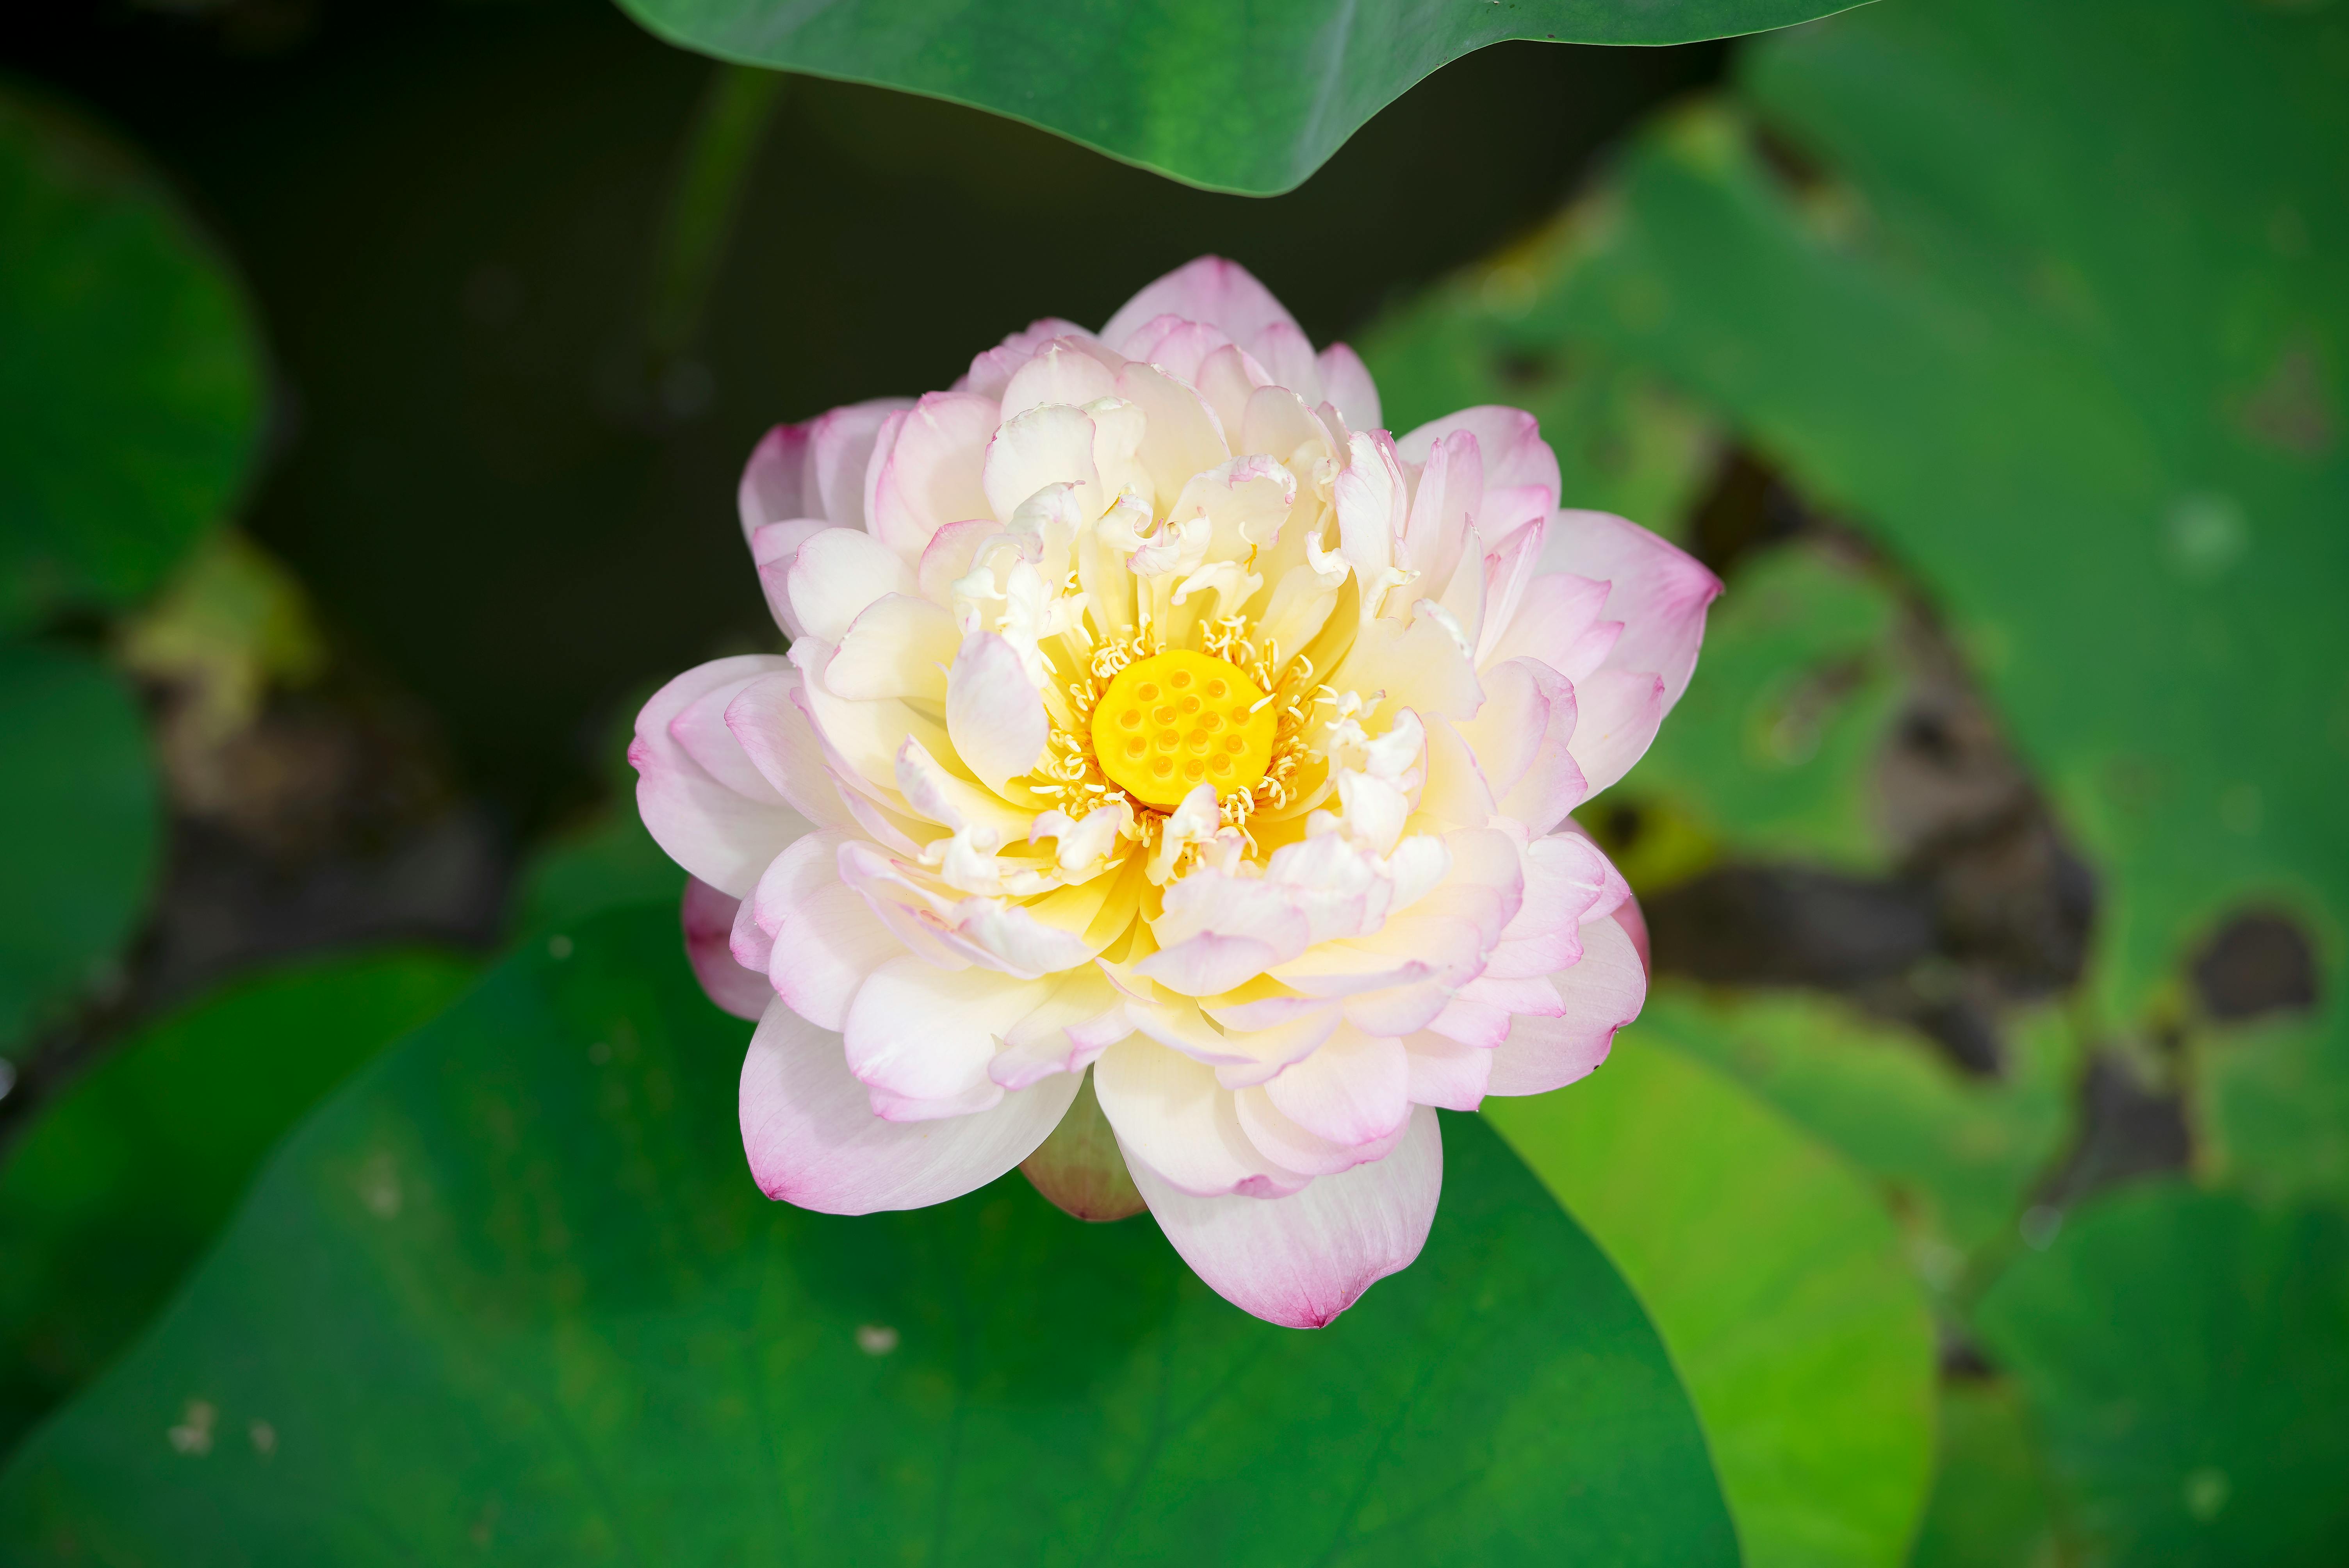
1166	787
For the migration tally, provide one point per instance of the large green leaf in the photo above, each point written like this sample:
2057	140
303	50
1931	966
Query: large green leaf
117	1186
2186	1357
512	1294
1956	1155
2063	320
1228	94
128	371
1778	1282
79	827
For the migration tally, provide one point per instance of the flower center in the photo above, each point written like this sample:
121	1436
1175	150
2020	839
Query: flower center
1174	721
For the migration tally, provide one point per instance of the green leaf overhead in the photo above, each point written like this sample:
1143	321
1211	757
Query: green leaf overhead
1228	94
122	1179
1778	1282
2056	299
512	1293
81	827
2185	1360
131	373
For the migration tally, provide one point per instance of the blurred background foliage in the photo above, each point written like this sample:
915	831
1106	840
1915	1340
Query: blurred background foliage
1973	1190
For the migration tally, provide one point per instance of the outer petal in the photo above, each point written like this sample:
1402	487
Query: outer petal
707	916
722	829
1617	715
930	476
1303	1259
1602	991
777	482
1346	381
1211	290
813	1140
1660	592
836	574
824	939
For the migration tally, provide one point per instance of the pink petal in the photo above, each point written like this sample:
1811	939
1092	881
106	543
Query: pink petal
777	484
1603	992
1447	1073
1286	1143
813	1140
1346	381
1658	591
992	371
1287	358
723	829
1211	290
707	916
929	476
1514	454
1303	1259
1617	715
824	939
1353	1091
840	455
1557	622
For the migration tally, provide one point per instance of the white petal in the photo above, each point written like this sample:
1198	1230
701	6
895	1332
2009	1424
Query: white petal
1174	1117
995	716
1602	991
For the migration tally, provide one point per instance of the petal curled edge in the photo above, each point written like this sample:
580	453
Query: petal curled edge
1301	1260
1603	991
1658	591
808	1130
724	828
707	917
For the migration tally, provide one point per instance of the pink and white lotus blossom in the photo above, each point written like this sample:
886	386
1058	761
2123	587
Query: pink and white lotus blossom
1165	750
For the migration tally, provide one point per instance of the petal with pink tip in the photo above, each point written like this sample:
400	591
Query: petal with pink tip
1346	381
1059	373
813	1140
1510	439
707	917
929	476
1303	1259
1558	622
777	482
1602	991
824	939
839	456
1286	1143
1052	445
993	370
1211	290
721	830
1658	591
1286	356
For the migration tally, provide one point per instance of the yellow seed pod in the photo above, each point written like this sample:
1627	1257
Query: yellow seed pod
1175	721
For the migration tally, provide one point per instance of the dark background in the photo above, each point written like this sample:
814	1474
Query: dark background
513	509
